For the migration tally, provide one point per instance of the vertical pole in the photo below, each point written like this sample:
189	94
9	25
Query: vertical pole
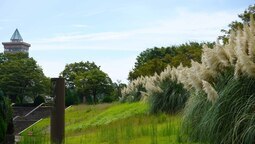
57	123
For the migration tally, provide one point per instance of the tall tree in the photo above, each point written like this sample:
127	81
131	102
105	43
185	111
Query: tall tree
88	80
73	69
117	89
20	76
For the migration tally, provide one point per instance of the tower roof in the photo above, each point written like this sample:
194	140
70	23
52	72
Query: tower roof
16	37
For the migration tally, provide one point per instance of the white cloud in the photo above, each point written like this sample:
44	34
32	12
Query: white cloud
186	26
85	37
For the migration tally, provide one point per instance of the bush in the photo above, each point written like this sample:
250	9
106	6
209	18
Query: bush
230	119
3	128
222	108
108	99
39	100
71	98
171	99
5	116
134	90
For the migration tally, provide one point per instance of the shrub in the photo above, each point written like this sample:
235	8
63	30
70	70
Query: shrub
230	119
134	90
3	128
171	100
5	116
107	99
221	108
39	100
71	97
165	94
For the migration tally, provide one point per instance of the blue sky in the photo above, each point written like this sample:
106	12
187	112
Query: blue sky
111	32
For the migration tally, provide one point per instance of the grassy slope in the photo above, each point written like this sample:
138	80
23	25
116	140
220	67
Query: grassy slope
111	123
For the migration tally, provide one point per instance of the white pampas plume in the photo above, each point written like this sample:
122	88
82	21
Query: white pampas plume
240	43
209	58
244	53
250	41
230	48
201	71
195	81
166	74
212	95
182	75
222	55
174	74
231	53
252	24
238	70
247	66
151	87
144	97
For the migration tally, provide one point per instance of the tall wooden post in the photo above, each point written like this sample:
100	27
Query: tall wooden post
57	123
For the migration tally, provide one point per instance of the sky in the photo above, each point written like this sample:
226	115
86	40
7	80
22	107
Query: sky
111	33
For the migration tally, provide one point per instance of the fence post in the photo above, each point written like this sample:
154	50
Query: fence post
57	123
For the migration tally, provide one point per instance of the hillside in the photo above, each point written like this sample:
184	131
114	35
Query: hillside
110	123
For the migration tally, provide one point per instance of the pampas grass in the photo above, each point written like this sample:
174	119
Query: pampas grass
134	90
223	110
229	119
212	95
166	94
222	88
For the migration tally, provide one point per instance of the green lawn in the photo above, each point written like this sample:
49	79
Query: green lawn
115	123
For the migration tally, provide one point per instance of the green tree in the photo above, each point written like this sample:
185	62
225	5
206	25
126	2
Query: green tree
155	60
71	97
117	90
73	69
152	66
20	76
88	80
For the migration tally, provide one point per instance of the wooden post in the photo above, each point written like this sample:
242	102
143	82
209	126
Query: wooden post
57	123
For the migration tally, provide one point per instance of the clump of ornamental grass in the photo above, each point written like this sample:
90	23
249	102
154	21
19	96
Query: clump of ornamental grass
134	90
164	92
221	107
228	119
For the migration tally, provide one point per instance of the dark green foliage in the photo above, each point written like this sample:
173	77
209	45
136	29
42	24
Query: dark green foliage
108	99
39	100
151	67
88	81
73	69
71	97
155	60
230	119
5	116
171	100
20	76
117	90
3	128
